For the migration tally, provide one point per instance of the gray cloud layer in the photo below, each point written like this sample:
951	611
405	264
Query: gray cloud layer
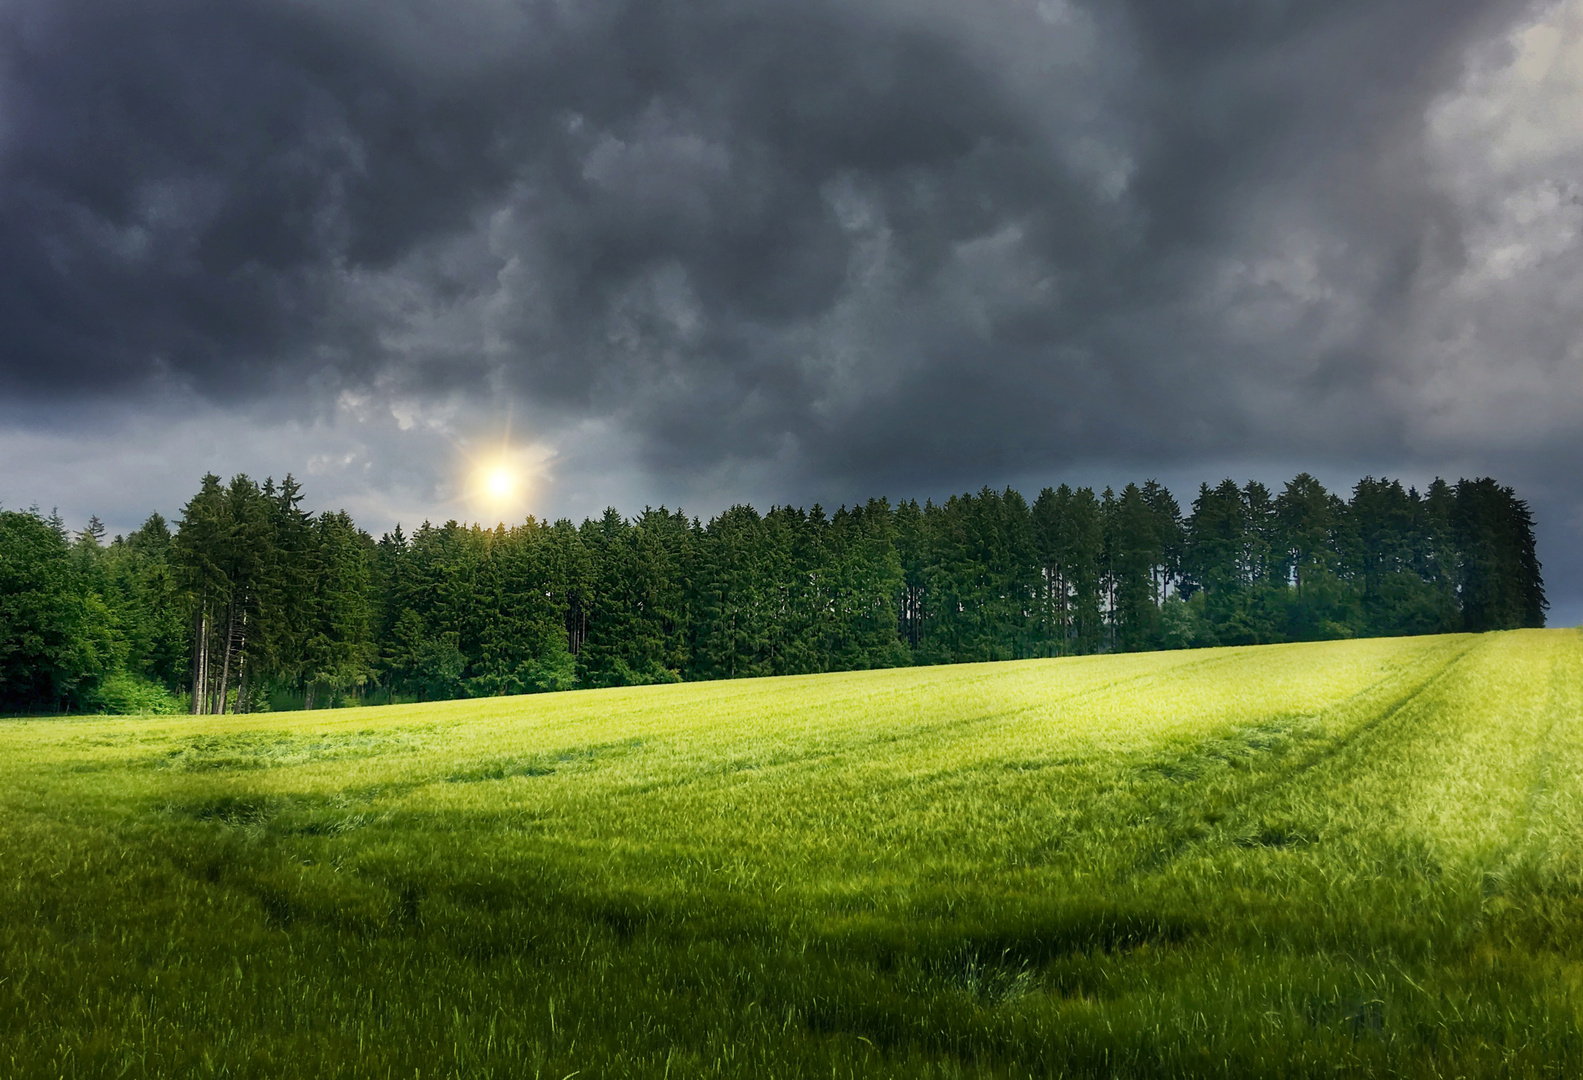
780	250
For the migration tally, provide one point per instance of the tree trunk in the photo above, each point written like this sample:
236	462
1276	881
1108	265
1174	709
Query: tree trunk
225	666
200	657
1066	614
242	666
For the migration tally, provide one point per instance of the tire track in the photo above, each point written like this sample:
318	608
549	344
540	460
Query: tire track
1202	827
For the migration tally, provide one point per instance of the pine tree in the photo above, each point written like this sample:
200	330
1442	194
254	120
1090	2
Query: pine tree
732	595
1217	562
1501	588
1168	539
866	588
340	648
1309	547
146	604
198	555
1388	552
56	641
283	641
634	630
912	552
1141	543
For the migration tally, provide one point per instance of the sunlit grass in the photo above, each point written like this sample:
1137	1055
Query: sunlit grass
1352	858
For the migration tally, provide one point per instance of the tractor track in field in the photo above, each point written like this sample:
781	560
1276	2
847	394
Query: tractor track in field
1201	830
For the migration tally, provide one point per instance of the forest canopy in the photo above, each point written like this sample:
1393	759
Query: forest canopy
252	603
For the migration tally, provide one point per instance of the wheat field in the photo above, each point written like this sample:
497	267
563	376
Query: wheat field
1351	858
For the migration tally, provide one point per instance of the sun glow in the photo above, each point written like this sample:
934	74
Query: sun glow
497	488
499	480
500	483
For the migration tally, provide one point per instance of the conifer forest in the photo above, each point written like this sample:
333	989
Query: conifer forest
249	602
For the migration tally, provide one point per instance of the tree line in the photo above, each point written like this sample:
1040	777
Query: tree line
251	602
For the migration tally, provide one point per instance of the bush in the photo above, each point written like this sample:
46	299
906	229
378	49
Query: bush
1183	626
133	695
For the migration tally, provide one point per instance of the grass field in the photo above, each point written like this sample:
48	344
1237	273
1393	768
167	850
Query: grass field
1351	858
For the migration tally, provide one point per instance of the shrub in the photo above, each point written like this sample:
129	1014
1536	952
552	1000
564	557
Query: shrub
125	693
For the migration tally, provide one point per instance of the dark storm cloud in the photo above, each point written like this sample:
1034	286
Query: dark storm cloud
193	190
870	246
185	184
189	189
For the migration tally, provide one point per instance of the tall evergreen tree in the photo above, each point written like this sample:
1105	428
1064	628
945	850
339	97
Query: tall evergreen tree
282	643
199	558
1501	587
56	643
1142	542
339	650
1309	547
867	584
1168	539
636	624
982	578
912	552
732	598
146	603
1390	558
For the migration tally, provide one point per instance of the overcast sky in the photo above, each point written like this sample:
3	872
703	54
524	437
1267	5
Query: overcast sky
697	253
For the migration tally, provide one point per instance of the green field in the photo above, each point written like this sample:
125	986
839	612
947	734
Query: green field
1350	858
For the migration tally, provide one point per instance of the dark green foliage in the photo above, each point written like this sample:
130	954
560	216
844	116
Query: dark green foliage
864	581
1392	555
1218	561
144	596
1143	541
1069	536
638	606
912	552
982	581
278	601
1231	555
1312	537
1499	585
735	597
338	654
56	637
256	603
477	611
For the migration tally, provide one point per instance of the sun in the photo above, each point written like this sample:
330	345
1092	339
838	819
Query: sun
497	483
500	483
